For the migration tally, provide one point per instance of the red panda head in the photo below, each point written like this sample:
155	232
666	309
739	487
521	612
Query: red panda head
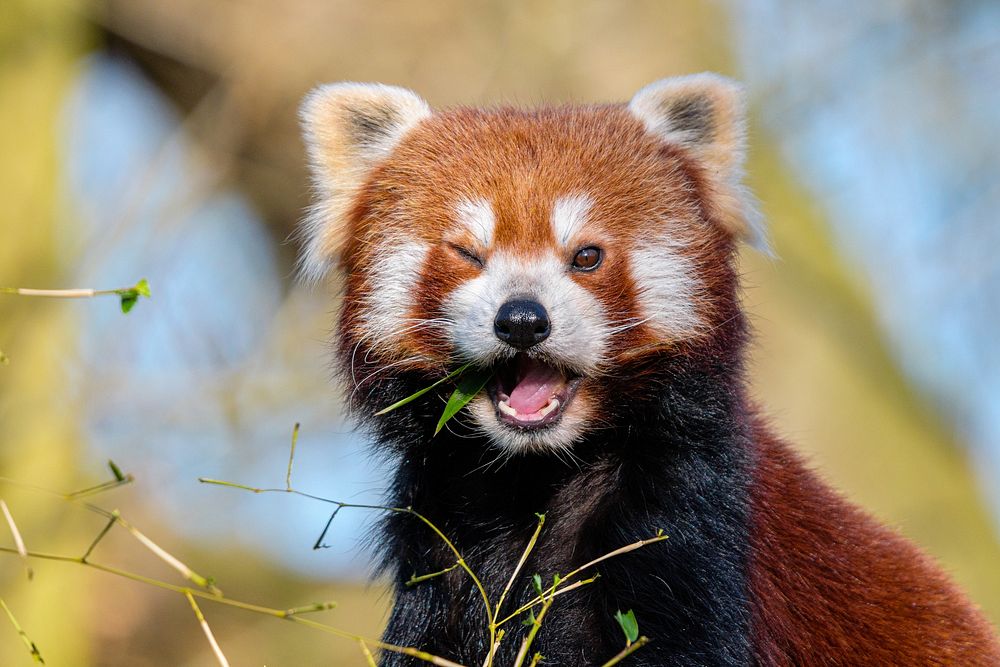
558	248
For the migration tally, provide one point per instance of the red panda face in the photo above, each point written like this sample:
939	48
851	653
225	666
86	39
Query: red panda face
554	248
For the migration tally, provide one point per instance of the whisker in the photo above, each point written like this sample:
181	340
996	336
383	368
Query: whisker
618	328
380	369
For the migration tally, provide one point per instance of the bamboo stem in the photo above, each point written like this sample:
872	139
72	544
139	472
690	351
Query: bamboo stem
18	540
627	651
219	655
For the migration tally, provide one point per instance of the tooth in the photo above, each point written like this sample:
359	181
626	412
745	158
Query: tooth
552	406
506	409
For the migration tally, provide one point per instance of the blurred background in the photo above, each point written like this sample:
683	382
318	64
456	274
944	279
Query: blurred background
141	138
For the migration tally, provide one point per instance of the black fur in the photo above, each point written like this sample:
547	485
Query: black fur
692	116
371	124
675	458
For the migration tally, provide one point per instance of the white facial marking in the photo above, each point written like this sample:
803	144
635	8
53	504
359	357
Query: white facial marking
577	342
578	325
569	215
476	216
668	289
390	295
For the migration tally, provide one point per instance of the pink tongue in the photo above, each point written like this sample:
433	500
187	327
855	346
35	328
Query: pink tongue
536	386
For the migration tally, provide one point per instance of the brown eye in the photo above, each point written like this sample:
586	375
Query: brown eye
587	259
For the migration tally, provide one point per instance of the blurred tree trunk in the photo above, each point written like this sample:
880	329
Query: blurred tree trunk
40	42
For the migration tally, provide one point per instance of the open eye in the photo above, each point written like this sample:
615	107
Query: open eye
468	255
587	259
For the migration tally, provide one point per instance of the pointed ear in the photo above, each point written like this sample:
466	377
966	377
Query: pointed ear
349	129
705	114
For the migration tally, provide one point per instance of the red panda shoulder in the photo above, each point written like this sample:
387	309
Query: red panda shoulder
826	579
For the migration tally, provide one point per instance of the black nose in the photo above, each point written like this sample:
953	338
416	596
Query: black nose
521	323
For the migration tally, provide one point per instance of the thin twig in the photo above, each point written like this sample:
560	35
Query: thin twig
493	651
319	540
551	590
212	593
291	457
617	552
18	541
490	615
536	625
73	495
561	591
369	658
627	651
34	487
100	536
310	608
100	488
416	579
76	293
219	655
129	295
524	557
158	551
54	293
546	597
35	654
246	606
427	657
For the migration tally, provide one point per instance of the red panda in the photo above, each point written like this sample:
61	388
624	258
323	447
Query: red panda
584	256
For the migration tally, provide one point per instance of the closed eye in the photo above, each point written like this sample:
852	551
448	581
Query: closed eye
468	255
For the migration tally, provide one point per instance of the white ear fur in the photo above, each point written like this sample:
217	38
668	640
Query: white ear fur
349	129
705	114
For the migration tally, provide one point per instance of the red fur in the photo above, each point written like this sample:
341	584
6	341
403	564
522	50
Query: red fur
522	162
832	586
828	584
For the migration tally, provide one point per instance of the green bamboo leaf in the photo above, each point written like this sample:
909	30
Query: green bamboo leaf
116	471
469	385
130	295
629	625
129	300
413	397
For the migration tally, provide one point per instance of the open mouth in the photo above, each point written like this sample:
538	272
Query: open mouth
529	393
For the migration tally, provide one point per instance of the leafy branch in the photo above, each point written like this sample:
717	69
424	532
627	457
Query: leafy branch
129	296
460	560
204	588
545	597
